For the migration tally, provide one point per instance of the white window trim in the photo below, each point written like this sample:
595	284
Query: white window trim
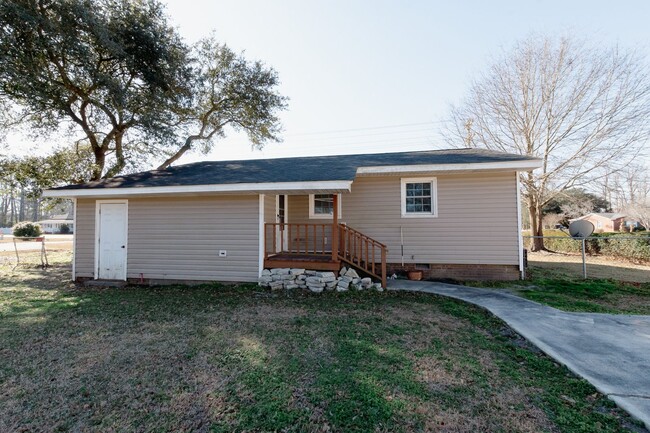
98	204
434	197
313	215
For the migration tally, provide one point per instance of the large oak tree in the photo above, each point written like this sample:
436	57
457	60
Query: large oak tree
116	76
583	110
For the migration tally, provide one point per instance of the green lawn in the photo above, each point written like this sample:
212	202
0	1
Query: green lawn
242	359
571	293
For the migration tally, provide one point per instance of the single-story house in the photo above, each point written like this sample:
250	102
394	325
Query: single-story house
606	222
450	213
53	225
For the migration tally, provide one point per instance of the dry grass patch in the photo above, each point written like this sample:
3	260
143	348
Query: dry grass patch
604	267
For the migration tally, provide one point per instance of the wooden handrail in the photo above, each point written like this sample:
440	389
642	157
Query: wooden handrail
350	229
300	238
360	251
354	248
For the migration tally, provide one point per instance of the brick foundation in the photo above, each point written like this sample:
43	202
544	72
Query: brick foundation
459	272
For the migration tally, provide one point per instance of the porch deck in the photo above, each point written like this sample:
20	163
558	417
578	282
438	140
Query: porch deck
306	247
286	259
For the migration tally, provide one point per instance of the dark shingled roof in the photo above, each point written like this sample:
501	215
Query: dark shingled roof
300	169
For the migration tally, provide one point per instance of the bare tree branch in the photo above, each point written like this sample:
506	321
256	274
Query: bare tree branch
583	111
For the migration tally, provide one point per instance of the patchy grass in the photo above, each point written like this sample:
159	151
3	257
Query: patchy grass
576	294
241	359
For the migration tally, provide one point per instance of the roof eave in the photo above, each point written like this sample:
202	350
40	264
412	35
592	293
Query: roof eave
520	165
318	187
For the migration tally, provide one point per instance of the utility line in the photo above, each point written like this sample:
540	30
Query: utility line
372	134
403	125
404	140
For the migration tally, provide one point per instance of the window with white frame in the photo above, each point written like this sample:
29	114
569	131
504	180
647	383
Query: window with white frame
419	197
322	205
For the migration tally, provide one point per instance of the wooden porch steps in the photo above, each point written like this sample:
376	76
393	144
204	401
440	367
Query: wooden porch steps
305	248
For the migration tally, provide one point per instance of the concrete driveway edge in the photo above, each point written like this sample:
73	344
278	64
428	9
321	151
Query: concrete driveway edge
635	402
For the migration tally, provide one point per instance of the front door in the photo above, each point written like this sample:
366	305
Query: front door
281	218
111	260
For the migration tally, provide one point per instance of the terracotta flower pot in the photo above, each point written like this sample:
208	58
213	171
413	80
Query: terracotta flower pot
415	275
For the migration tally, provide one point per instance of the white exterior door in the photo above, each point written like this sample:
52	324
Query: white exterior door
112	241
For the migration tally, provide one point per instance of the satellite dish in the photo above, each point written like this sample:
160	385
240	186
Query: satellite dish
581	229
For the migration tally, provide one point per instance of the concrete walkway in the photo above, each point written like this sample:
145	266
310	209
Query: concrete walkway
610	351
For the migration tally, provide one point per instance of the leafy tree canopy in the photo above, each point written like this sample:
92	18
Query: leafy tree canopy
559	203
36	173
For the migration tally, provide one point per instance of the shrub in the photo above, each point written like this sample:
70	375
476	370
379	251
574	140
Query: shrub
565	245
635	249
608	244
27	230
65	229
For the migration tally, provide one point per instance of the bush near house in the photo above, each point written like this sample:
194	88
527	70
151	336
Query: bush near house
65	229
27	230
604	243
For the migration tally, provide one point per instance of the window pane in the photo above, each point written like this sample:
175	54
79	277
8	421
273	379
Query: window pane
410	207
419	197
323	204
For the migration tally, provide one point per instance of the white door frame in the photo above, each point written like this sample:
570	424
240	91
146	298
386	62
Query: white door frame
277	220
98	204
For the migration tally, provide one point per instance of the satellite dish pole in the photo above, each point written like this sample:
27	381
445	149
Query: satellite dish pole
582	229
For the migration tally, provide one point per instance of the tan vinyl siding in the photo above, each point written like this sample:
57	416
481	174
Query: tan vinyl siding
179	238
269	208
476	223
85	238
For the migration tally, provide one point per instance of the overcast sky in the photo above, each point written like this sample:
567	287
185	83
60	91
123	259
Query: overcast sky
373	76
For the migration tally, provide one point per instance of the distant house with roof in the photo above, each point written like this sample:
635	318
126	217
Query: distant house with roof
236	220
609	222
55	224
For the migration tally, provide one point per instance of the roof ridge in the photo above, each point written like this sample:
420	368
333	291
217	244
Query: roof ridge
460	149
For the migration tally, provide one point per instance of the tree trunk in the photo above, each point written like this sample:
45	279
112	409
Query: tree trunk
536	227
35	210
21	209
12	204
100	160
4	207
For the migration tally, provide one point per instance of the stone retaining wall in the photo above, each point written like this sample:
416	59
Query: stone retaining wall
315	281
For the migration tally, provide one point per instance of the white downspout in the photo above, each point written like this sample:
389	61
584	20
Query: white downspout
520	237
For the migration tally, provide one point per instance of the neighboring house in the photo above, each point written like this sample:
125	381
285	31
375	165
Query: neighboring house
54	224
451	213
606	222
